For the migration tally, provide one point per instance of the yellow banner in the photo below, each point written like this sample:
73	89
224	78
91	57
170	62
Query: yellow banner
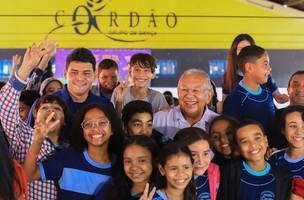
149	23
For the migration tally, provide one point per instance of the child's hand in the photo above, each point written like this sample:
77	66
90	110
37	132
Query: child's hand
146	195
121	89
51	48
42	129
281	98
31	59
16	61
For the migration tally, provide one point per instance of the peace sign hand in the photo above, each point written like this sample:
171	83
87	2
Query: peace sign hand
121	89
42	129
146	195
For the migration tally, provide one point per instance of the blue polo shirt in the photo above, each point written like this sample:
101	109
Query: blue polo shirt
75	107
257	185
243	103
202	187
294	166
78	176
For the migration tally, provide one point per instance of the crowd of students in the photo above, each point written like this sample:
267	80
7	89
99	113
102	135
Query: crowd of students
122	140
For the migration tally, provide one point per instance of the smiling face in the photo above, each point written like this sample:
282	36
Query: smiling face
260	69
178	171
140	75
221	137
294	130
137	163
80	77
252	143
140	124
202	155
296	90
46	109
96	128
193	95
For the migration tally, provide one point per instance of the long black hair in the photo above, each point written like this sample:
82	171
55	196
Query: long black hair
122	183
7	172
170	149
116	139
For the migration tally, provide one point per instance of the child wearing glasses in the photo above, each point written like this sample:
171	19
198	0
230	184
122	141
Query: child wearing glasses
82	170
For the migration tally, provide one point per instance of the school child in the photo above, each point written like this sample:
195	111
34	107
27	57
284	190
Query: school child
252	177
19	134
82	169
141	72
13	179
27	99
234	75
137	118
138	167
206	174
221	134
176	169
50	86
292	158
249	100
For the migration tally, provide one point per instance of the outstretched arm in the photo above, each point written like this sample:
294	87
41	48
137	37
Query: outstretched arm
41	131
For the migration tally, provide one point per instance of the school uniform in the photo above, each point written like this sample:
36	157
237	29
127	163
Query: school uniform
78	176
240	183
294	166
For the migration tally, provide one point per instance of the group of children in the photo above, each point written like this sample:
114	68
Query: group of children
118	155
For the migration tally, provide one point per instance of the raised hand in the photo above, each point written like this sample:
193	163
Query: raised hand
16	61
146	195
51	48
121	89
31	59
42	129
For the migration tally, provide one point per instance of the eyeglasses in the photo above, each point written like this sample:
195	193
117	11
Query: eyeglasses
99	123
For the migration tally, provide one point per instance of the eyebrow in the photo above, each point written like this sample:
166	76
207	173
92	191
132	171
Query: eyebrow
255	134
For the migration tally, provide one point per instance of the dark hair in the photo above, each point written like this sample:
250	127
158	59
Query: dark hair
7	172
169	93
58	100
244	123
116	140
107	64
232	121
28	97
230	77
214	99
134	107
300	72
291	109
170	149
249	54
144	60
191	135
81	55
122	184
2	83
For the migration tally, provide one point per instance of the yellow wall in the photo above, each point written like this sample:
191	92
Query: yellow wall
199	23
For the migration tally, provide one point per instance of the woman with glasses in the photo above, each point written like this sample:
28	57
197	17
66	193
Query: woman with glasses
84	168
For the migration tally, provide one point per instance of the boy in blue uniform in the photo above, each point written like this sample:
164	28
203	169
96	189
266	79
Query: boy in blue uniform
248	99
253	177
